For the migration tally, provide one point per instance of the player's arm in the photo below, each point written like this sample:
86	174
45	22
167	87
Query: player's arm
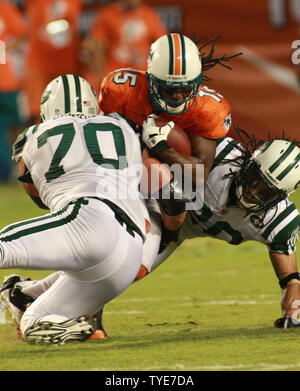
24	174
28	185
286	270
203	150
209	125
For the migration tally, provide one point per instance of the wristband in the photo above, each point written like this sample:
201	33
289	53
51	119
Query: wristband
284	281
160	147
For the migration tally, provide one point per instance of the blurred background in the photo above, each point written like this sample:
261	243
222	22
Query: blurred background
45	38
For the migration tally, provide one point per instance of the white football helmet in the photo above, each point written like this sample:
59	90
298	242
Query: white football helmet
272	173
68	94
174	62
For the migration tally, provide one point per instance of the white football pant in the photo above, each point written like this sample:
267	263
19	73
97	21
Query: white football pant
99	257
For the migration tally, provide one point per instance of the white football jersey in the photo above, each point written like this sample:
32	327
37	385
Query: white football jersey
70	157
278	228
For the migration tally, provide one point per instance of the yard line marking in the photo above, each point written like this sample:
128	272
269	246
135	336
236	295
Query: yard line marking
228	302
236	299
124	312
139	299
215	367
238	302
279	73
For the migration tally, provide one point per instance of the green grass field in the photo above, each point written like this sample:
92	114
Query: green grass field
210	307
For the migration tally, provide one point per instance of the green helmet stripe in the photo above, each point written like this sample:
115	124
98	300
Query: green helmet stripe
78	94
289	168
183	54
66	93
171	54
282	158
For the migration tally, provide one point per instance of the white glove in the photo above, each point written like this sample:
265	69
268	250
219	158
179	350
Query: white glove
290	304
154	136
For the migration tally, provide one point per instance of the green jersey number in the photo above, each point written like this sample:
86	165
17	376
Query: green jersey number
218	227
90	135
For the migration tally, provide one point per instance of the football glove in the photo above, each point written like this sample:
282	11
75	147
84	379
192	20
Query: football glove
154	136
290	305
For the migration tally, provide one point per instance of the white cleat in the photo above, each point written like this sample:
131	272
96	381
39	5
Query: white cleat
58	333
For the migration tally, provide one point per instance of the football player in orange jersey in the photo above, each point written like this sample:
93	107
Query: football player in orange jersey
120	37
172	88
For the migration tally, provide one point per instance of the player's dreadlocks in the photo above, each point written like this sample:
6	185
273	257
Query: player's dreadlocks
247	144
208	61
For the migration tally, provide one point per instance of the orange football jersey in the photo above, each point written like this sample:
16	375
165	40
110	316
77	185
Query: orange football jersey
49	50
126	91
12	26
128	34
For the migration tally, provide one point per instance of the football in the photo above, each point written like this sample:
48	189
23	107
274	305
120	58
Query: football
177	138
155	174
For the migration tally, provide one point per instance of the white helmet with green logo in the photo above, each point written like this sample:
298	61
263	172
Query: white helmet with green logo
276	164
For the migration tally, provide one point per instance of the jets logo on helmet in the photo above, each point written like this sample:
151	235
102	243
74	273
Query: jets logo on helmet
174	66
68	94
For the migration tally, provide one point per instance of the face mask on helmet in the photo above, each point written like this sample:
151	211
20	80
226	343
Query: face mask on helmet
254	192
272	173
68	94
174	73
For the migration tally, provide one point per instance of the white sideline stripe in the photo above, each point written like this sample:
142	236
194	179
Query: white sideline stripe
279	73
216	367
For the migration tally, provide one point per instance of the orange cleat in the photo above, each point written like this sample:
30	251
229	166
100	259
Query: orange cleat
98	334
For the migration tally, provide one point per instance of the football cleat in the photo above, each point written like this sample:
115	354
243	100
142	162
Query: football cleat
11	295
100	332
59	333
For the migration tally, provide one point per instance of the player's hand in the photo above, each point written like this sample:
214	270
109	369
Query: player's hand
154	136
290	305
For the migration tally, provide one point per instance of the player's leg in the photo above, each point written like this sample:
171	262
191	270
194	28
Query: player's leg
101	261
77	293
17	293
34	288
49	242
151	256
